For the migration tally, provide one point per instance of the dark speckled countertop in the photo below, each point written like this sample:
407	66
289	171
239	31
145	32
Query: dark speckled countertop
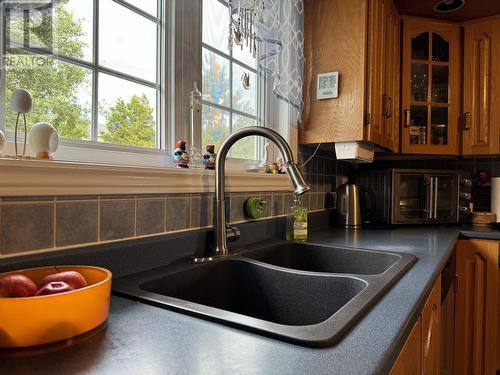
142	339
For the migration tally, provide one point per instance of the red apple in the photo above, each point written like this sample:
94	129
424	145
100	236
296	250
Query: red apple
17	286
54	288
72	278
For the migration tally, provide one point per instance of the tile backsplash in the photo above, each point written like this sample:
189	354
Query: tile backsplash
48	223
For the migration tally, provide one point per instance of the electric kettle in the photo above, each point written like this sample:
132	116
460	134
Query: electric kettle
349	204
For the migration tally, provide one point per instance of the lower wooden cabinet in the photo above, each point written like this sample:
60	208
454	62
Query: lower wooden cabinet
477	308
421	352
408	362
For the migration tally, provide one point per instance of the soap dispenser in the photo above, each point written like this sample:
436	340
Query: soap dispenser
296	221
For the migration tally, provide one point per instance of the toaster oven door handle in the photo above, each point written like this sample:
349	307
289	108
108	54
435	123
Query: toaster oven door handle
430	213
436	182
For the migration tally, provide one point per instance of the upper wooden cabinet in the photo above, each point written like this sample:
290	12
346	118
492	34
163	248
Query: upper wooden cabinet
430	87
391	93
360	40
481	120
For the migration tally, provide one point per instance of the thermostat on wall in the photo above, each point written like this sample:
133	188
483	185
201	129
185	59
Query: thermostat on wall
328	85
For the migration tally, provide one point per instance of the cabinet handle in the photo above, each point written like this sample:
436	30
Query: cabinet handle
384	106
467	120
434	319
389	107
406	123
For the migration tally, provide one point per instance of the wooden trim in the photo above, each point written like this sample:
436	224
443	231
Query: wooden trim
483	19
40	177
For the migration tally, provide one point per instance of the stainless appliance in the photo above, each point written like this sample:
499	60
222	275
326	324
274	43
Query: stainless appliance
417	196
349	206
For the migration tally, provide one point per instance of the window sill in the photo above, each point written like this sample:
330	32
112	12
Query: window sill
49	177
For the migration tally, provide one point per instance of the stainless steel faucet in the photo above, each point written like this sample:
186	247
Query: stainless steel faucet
221	227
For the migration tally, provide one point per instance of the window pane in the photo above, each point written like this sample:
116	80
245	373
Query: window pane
439	125
244	99
127	112
440	83
419	82
418	121
245	148
215	73
149	6
215	126
244	55
127	41
65	29
420	47
74	28
216	25
440	48
62	93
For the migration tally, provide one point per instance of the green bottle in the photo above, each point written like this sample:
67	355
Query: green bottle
296	221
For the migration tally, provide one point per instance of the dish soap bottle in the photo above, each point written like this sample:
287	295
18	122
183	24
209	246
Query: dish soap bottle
296	223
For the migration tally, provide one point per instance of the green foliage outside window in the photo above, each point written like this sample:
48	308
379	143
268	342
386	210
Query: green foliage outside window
56	85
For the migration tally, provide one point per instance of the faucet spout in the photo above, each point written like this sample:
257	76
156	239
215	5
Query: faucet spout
300	185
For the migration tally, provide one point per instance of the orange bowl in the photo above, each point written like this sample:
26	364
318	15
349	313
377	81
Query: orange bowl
30	321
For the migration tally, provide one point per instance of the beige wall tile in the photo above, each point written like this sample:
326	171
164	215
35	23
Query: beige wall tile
76	222
26	226
117	219
150	216
177	212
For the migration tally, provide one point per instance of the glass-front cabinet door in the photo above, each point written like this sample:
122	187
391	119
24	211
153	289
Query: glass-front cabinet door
430	97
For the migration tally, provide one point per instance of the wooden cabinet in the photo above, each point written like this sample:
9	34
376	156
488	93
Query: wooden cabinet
408	361
354	38
430	97
477	308
481	99
421	352
431	332
391	93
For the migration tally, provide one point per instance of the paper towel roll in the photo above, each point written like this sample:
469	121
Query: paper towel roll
495	196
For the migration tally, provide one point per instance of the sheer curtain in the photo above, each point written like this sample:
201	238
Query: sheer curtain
280	33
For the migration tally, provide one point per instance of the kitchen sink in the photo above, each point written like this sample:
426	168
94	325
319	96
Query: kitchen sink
319	258
260	292
297	292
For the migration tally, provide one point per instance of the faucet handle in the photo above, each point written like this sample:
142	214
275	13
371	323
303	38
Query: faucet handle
232	233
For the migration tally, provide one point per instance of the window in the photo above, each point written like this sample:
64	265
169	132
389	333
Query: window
227	104
94	68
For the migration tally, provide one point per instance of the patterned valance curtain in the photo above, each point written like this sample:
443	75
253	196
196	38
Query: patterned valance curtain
280	34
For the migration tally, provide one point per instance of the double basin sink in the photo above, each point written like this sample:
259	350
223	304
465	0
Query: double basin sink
298	292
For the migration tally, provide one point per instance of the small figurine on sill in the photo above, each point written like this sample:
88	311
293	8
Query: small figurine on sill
181	157
209	157
273	168
281	165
